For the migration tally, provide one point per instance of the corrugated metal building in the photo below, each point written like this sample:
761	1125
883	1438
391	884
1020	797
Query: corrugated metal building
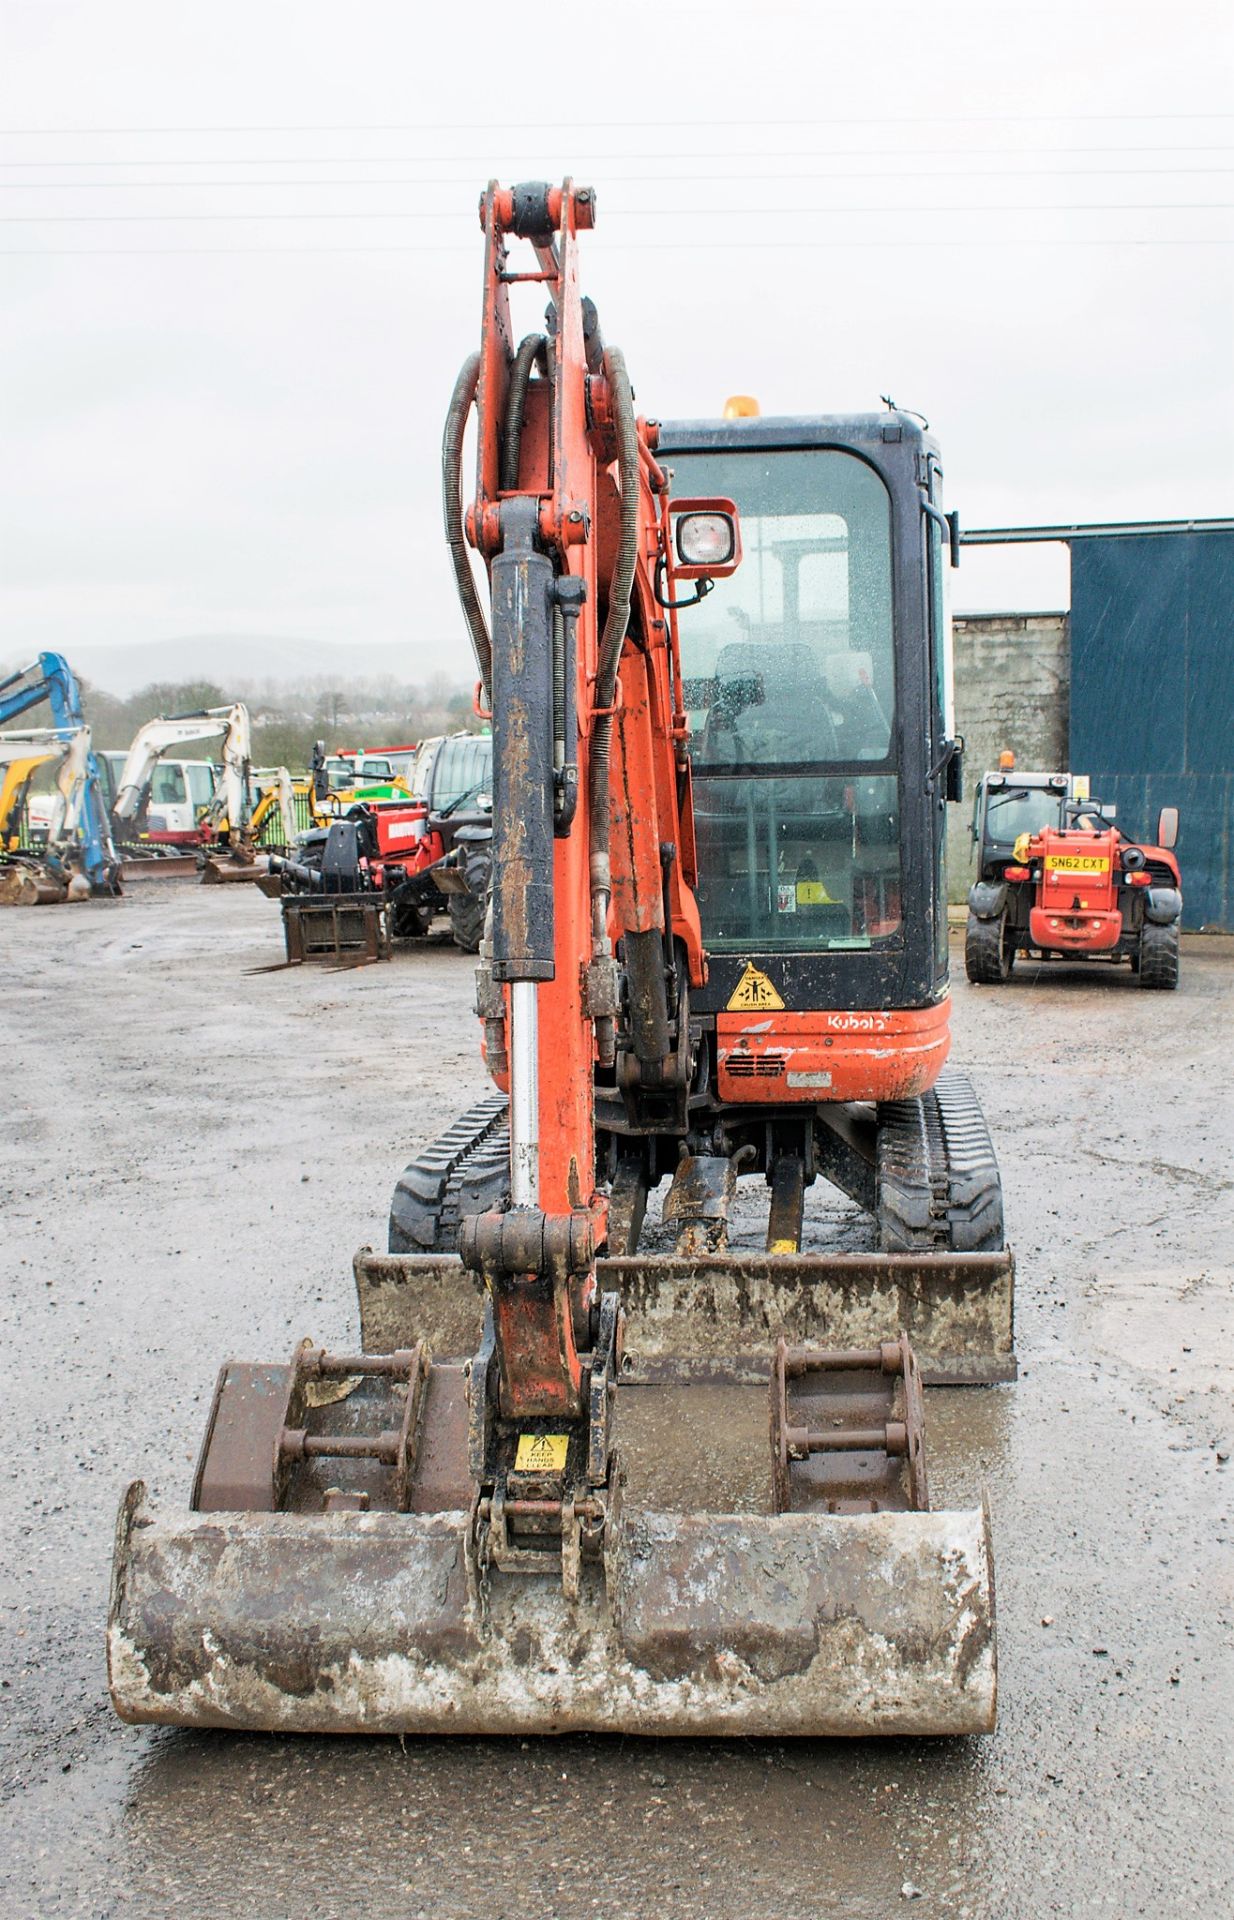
1152	686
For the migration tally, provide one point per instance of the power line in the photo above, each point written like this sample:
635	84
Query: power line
633	179
638	126
620	246
643	213
483	160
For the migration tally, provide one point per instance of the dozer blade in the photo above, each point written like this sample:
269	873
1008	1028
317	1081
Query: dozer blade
719	1315
337	1573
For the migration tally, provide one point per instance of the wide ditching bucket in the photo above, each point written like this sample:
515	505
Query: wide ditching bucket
760	1559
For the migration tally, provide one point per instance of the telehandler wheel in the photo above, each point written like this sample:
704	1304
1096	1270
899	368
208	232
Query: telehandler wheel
989	951
1158	955
467	910
411	923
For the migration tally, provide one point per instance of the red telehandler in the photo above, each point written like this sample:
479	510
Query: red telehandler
1057	877
565	1483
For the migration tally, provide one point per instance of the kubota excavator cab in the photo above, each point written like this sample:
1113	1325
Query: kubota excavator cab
823	755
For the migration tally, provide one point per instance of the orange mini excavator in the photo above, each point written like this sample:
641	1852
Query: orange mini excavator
587	1470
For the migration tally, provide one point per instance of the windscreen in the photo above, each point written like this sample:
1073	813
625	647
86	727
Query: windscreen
201	783
167	787
1011	811
789	672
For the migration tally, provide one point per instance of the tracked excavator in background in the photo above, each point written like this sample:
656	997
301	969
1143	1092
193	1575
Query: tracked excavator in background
567	1481
230	823
80	857
43	876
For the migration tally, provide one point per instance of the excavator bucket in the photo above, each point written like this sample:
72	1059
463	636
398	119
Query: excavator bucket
219	869
755	1568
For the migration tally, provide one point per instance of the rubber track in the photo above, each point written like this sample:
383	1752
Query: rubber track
465	1170
938	1182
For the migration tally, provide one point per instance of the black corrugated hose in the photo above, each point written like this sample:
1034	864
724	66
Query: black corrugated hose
616	622
451	476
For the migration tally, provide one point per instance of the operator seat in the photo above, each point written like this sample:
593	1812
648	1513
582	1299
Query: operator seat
770	708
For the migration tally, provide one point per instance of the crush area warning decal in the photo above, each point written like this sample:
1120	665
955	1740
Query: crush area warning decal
541	1452
754	993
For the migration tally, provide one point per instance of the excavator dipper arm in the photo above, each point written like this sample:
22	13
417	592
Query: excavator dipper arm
587	762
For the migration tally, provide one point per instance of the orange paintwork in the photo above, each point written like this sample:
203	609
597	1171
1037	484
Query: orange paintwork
789	1059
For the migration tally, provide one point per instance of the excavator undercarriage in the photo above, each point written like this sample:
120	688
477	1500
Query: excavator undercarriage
591	1469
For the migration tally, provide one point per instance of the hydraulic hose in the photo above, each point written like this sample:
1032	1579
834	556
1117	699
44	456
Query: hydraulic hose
451	477
531	350
616	622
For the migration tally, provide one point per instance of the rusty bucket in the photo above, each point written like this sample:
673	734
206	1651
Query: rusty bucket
763	1561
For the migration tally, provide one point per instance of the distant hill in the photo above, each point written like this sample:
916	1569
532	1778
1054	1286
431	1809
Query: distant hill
223	658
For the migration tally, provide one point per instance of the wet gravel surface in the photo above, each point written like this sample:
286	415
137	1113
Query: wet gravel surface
192	1154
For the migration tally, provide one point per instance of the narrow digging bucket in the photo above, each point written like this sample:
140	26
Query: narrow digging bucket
755	1573
29	885
222	869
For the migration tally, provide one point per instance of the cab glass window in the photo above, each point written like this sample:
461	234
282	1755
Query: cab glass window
201	785
167	788
789	678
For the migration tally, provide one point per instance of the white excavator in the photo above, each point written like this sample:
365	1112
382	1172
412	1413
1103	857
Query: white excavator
230	822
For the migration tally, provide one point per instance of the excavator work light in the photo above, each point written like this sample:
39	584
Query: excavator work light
705	539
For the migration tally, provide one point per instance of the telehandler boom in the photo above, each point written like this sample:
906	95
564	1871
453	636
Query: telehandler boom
567	1484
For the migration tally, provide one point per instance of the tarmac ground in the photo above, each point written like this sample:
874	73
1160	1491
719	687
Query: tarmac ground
193	1152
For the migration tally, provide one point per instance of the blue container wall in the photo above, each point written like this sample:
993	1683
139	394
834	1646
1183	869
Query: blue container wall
1152	696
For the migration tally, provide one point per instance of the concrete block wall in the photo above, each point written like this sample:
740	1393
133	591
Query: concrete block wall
1012	688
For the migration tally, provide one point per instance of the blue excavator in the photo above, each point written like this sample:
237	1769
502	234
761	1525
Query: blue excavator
84	846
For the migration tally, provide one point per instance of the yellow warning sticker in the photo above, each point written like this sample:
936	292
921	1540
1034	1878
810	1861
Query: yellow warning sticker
754	993
813	893
541	1452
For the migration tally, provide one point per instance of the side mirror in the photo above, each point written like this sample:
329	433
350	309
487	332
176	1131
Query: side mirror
1167	827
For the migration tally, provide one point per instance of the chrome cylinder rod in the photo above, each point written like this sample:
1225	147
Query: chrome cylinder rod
524	1095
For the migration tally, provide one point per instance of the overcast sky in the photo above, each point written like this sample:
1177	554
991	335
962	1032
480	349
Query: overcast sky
241	266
